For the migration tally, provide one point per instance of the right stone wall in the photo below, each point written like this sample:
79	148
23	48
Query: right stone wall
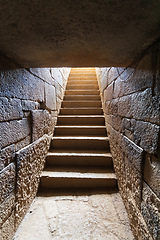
131	103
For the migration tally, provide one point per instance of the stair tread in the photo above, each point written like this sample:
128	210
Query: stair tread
79	153
82	116
79	126
78	174
81	137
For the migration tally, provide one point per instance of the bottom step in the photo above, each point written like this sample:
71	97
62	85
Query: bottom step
50	179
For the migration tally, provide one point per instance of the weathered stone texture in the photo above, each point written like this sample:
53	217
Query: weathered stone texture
30	163
50	97
8	228
13	131
132	114
10	109
21	84
6	156
151	211
42	123
28	105
6	208
7	181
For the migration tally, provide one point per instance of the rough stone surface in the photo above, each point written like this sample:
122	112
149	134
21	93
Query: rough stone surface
10	109
7	181
42	123
8	228
13	131
6	208
152	173
100	35
30	163
23	143
21	84
50	98
86	216
150	208
7	156
28	105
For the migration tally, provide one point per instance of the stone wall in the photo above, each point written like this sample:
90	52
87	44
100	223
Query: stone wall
29	102
131	103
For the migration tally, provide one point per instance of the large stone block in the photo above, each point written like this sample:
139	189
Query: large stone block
50	97
30	163
56	75
43	73
21	84
124	106
42	123
10	109
28	105
146	135
14	131
6	208
23	143
108	93
7	181
152	173
150	208
6	156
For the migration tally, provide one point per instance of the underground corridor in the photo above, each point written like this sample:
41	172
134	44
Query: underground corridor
80	120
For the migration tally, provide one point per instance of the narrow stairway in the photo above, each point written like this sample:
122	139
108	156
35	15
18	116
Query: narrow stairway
79	155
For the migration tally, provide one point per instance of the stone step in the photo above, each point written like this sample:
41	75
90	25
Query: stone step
82	87
72	104
82	97
82	92
74	142
89	120
78	178
79	158
80	81
81	74
80	131
81	111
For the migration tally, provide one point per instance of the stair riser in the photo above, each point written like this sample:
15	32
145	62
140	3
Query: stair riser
82	86
80	121
79	161
81	81
80	132
86	75
73	111
82	92
80	144
82	97
73	104
77	183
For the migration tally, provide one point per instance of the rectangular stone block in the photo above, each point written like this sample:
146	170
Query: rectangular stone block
13	131
21	84
10	109
23	143
124	106
30	163
6	156
28	105
150	209
146	135
42	123
56	75
108	93
50	97
152	173
7	181
43	73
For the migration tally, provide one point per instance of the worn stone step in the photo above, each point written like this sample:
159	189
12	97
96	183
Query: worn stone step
74	142
82	97
71	104
82	178
81	74
81	111
79	158
81	81
80	131
82	86
88	120
82	92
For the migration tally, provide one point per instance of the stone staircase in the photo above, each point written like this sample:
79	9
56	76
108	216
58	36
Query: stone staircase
79	155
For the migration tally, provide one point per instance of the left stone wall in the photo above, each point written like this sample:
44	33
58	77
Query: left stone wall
30	100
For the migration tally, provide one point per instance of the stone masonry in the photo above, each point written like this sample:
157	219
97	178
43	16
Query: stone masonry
29	103
131	102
